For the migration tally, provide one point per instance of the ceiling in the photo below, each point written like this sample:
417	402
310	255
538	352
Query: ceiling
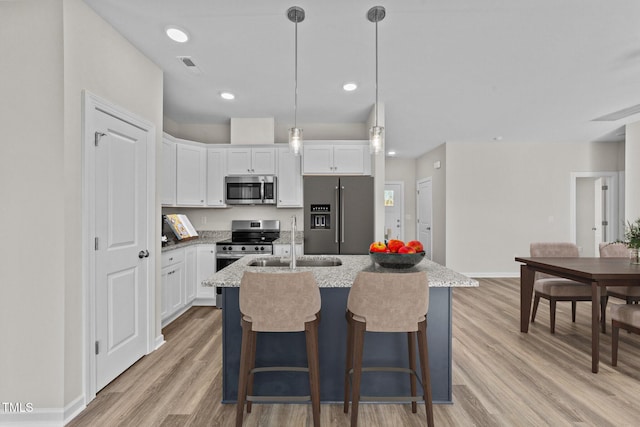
449	70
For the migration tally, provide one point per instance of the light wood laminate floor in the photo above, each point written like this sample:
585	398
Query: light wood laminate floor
501	377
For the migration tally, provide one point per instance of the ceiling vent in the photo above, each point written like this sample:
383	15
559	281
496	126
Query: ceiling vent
188	62
617	115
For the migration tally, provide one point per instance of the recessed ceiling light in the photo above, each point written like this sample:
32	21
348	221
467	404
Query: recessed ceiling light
350	87
177	35
391	153
227	95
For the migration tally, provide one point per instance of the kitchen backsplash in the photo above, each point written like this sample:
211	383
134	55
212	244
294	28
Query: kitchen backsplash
220	218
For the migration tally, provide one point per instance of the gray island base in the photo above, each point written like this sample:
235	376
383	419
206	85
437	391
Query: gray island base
381	349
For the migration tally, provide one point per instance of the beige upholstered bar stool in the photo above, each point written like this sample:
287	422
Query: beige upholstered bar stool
387	302
278	302
555	288
625	316
628	293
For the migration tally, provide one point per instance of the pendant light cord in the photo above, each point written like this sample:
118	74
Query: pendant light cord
295	91
376	106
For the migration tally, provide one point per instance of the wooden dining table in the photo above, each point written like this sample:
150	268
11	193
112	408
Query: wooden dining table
596	272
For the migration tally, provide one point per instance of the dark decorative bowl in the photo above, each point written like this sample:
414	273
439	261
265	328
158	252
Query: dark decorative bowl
391	260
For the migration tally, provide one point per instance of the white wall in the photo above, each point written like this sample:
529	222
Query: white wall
501	196
632	172
32	182
57	48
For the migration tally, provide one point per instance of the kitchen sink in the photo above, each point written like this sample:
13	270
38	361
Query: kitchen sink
313	262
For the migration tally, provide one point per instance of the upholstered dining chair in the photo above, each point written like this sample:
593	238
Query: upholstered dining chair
625	316
554	288
631	294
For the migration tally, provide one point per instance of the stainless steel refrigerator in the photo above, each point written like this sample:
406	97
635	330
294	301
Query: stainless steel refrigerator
338	214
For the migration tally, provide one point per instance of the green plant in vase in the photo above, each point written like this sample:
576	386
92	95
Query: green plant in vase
632	236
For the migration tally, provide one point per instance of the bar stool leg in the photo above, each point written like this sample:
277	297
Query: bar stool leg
411	336
424	369
245	354
615	333
552	315
349	362
358	345
252	364
311	335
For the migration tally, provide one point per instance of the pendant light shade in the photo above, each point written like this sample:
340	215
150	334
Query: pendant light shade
376	133
295	15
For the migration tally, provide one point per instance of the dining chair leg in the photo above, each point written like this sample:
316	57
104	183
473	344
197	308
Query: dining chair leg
423	349
603	312
573	311
349	362
311	335
552	315
411	337
536	300
358	347
615	333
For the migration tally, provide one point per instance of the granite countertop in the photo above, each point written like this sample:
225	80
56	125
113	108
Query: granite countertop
340	276
204	237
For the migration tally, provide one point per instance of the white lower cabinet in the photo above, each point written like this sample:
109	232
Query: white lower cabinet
205	295
173	284
183	271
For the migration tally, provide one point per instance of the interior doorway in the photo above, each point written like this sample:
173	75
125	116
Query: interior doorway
594	210
394	210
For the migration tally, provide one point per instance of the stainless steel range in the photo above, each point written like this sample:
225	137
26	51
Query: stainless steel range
247	237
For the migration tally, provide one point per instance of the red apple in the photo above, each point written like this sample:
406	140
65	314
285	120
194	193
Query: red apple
394	245
406	250
377	247
415	244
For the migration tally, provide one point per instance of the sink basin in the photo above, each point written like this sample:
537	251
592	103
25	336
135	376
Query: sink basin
278	262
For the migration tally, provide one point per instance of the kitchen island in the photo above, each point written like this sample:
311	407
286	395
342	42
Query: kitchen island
380	349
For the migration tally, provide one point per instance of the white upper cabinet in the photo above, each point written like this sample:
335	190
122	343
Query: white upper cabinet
336	158
168	172
251	161
191	172
216	171
289	179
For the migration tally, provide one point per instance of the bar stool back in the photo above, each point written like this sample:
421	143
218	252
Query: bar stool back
388	302
278	302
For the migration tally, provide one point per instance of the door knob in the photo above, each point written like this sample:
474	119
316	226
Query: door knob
143	254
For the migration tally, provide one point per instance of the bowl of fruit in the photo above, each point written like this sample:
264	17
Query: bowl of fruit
396	254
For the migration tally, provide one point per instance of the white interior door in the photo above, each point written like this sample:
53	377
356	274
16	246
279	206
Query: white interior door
121	256
424	215
394	210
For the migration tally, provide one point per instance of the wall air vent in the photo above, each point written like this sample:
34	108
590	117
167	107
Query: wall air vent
620	114
188	62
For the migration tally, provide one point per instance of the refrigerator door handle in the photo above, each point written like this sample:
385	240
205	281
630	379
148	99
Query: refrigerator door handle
337	190
342	215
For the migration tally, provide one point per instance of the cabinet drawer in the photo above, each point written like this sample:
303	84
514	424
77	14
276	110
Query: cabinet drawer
172	257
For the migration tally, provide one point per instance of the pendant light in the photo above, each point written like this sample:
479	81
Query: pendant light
376	133
295	15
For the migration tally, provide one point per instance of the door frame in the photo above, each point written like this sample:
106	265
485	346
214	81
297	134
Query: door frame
418	182
613	202
402	223
90	104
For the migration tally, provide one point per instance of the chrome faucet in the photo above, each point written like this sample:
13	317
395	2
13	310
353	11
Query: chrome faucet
292	265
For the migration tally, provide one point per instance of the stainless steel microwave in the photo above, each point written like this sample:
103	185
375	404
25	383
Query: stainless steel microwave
250	190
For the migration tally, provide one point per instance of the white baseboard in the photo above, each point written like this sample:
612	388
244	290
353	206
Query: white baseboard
485	275
159	341
74	408
206	302
38	417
